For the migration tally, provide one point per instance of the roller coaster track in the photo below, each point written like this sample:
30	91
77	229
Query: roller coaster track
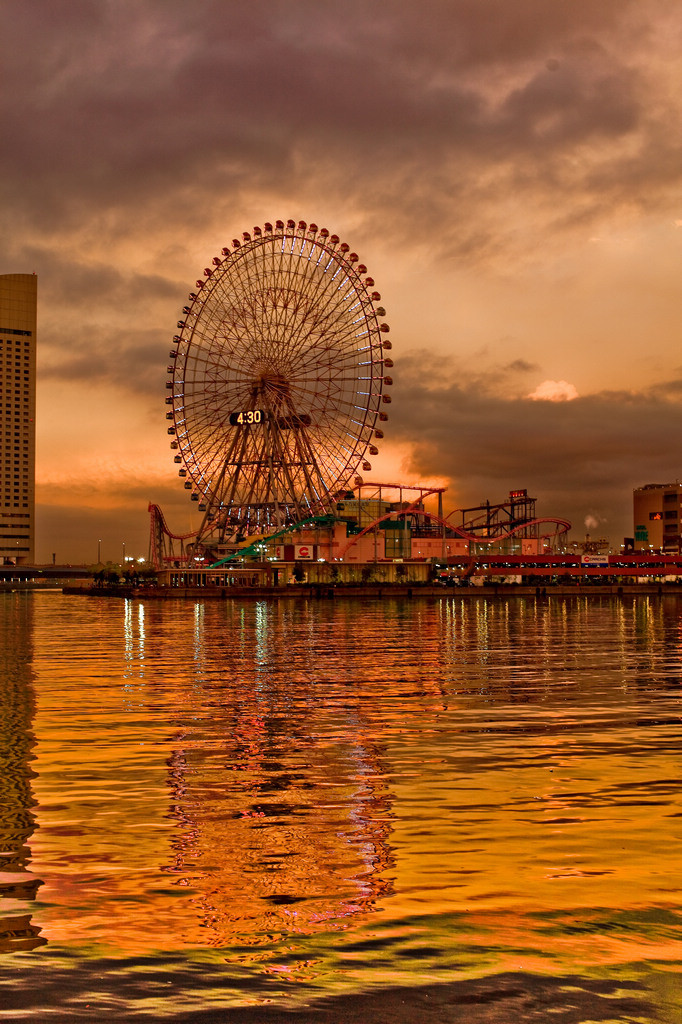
161	538
563	526
160	550
252	547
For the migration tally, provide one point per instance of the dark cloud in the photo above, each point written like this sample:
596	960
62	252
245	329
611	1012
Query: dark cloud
128	113
97	286
578	457
521	366
567	106
135	361
104	328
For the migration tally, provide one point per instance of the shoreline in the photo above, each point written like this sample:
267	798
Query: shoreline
329	592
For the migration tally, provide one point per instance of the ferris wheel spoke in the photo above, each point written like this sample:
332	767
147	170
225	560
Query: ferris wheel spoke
307	287
329	323
340	348
327	339
317	302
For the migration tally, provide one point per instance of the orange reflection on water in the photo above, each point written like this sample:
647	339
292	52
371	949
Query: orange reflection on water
175	814
18	885
490	783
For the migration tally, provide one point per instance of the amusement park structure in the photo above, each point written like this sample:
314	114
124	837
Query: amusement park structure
277	393
277	382
380	523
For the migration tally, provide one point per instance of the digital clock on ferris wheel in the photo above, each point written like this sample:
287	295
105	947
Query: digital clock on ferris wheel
247	417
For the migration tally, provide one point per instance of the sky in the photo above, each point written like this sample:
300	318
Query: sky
510	173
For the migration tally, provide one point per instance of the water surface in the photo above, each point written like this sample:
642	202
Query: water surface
456	809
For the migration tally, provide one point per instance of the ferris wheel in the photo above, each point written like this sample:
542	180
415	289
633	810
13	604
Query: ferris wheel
277	381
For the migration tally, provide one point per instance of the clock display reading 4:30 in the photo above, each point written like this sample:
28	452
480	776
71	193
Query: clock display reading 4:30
247	417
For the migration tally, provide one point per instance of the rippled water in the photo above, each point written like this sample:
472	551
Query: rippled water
469	806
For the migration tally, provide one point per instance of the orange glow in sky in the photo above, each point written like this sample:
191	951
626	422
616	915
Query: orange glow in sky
511	182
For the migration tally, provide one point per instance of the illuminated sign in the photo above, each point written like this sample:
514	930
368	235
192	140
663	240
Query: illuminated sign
294	553
247	417
588	560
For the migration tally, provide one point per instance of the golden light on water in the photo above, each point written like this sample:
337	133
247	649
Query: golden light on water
331	796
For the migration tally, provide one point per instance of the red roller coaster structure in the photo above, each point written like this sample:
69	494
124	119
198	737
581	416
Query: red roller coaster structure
562	526
490	526
161	549
486	524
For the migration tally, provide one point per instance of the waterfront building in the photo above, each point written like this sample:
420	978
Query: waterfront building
18	314
657	521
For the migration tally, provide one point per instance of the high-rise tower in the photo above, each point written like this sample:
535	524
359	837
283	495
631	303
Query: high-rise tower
18	304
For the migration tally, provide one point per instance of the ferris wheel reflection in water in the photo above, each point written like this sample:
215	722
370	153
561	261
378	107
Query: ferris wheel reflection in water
256	844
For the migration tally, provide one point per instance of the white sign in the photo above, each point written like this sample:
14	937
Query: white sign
602	560
302	551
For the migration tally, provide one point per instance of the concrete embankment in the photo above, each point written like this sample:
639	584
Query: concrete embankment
321	591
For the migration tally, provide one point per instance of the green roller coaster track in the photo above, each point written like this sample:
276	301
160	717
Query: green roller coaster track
251	549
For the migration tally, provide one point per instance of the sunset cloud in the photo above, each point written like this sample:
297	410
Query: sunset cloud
580	457
554	391
468	150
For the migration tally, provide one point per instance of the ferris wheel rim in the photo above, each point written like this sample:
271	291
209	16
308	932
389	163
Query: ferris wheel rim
285	324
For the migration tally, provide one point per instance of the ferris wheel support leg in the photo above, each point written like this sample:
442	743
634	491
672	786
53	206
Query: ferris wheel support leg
278	449
309	459
306	457
292	501
264	459
228	502
279	520
215	499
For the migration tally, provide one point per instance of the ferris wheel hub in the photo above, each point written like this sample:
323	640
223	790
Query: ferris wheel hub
274	385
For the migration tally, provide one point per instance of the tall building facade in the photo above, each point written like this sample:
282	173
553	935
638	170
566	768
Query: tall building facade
18	315
657	512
